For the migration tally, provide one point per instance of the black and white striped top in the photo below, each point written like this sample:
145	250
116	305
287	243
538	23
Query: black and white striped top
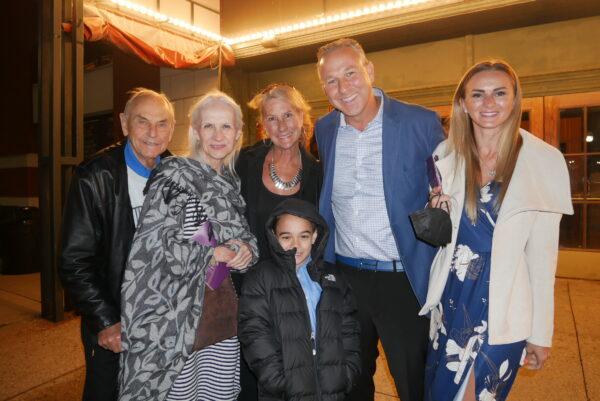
211	374
194	217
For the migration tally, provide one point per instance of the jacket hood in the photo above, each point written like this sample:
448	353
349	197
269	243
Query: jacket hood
305	210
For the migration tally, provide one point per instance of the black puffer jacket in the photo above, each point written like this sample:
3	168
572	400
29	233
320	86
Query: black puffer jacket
274	325
97	230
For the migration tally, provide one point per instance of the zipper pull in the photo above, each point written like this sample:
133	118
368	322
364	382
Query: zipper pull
313	343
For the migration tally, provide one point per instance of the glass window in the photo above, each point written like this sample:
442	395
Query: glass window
592	137
571	228
525	120
579	140
575	164
593	226
571	130
593	174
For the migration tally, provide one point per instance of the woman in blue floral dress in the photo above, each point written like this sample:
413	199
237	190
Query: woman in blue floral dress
461	333
491	289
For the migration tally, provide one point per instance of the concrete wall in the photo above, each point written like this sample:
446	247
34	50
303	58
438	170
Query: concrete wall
533	51
562	46
240	17
98	90
184	87
579	264
550	59
204	13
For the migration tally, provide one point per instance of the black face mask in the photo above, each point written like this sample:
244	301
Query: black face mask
432	225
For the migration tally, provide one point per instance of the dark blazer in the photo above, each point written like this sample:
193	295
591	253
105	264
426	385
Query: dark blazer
410	135
249	168
274	324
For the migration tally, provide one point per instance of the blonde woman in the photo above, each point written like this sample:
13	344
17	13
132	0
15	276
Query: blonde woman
279	166
276	168
491	290
163	293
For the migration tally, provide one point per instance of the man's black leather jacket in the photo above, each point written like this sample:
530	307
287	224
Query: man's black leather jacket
97	231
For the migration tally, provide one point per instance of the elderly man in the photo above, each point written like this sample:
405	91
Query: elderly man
374	150
101	211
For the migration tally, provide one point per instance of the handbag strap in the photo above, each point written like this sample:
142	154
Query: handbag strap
441	205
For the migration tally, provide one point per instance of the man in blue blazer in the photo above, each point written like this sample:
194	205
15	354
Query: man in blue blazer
373	150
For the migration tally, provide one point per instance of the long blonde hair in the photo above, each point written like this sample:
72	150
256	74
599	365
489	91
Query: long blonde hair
462	139
294	98
194	141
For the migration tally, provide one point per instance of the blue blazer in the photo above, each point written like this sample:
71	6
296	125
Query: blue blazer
410	135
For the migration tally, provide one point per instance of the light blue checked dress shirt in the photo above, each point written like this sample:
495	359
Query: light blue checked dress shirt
361	220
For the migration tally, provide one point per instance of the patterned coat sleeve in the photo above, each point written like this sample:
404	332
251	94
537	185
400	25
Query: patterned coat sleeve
231	224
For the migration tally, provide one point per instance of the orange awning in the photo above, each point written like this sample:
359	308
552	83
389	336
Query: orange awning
150	42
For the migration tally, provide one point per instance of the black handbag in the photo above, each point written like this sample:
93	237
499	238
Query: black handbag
432	225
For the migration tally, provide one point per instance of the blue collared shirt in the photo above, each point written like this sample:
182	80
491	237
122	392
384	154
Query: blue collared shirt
133	163
362	224
312	293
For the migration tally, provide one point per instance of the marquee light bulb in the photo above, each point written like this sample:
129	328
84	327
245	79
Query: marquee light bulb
270	33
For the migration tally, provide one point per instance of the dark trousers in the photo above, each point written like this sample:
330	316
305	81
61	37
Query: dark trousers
388	310
101	369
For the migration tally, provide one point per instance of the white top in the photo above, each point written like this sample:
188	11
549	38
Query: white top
136	184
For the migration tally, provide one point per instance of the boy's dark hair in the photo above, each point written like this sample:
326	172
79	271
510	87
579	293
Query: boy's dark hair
313	226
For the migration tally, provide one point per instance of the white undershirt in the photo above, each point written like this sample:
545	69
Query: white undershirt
136	184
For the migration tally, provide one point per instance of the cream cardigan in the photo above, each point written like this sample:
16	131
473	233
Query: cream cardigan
524	245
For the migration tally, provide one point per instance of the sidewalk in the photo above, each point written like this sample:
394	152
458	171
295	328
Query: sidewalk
43	361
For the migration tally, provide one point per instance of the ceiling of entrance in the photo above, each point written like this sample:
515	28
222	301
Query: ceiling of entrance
459	19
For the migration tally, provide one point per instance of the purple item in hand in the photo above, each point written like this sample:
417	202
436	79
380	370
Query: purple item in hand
204	235
215	274
435	178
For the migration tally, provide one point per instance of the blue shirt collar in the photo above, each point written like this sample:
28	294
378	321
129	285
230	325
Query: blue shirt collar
312	292
304	264
134	164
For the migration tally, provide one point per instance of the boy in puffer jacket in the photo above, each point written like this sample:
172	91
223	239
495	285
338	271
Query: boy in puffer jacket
297	321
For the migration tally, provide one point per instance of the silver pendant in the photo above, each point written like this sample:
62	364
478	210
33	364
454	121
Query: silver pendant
284	185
